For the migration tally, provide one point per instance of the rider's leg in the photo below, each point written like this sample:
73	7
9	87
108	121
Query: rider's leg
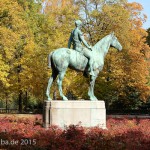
91	66
87	53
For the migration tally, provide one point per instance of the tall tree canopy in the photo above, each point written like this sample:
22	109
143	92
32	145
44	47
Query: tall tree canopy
125	74
29	31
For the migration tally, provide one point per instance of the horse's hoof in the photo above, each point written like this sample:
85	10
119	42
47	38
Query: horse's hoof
65	99
49	99
94	99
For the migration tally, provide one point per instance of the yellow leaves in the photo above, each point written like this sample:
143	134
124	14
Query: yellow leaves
30	46
7	34
17	43
10	11
4	68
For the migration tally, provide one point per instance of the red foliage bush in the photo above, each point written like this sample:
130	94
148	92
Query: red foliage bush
121	134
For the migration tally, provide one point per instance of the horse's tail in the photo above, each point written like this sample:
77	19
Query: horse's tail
49	60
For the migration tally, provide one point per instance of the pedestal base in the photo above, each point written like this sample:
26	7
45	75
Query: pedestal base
65	113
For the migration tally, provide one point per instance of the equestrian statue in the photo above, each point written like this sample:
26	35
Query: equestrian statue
88	59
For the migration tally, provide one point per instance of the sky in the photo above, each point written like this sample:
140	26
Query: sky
146	10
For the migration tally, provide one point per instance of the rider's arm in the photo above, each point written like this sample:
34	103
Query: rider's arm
83	40
70	41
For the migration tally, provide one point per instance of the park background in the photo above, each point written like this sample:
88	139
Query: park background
31	29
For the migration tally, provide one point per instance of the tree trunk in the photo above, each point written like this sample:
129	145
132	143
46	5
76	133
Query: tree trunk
20	101
6	102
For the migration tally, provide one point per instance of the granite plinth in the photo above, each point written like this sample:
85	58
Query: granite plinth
65	113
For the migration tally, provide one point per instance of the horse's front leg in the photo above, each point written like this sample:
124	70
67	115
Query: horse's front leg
91	88
59	82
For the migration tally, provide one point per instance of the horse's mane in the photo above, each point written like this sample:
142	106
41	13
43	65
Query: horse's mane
100	42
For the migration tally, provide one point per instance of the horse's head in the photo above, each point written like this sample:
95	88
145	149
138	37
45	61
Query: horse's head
114	42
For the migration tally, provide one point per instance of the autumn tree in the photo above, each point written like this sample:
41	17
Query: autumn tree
124	73
14	36
24	47
31	35
148	37
148	58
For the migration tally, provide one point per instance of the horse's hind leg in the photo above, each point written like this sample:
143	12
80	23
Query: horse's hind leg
51	79
59	82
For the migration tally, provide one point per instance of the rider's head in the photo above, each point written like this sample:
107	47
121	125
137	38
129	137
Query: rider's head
78	23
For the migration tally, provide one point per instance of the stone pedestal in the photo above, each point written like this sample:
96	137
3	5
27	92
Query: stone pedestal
65	113
46	114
